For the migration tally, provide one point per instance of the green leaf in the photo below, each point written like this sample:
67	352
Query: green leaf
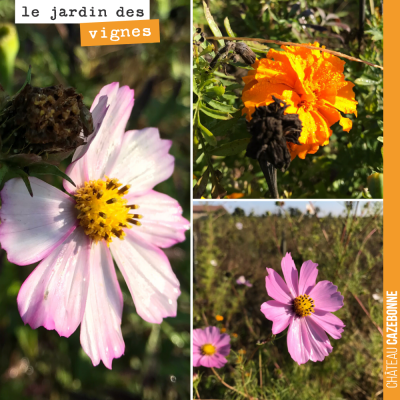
212	24
3	173
380	139
207	50
228	28
216	91
219	106
25	178
48	169
229	149
215	113
210	138
201	185
27	80
364	81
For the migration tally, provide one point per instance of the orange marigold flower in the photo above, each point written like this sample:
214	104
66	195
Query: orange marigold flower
219	317
222	330
312	83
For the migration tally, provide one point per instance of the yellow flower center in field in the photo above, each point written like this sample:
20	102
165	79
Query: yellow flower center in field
103	209
303	305
208	350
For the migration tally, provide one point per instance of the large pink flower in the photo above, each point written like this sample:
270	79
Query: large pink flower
76	236
304	306
210	347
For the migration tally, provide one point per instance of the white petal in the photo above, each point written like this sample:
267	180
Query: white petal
101	336
162	223
144	160
32	227
148	274
54	294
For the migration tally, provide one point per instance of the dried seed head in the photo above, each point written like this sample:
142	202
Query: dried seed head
51	120
271	129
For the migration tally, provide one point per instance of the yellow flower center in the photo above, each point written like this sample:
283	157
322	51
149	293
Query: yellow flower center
103	210
208	350
303	305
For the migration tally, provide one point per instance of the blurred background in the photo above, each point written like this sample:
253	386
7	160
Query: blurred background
339	170
38	364
237	238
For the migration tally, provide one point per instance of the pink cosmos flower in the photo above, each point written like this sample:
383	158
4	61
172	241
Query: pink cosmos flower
77	235
304	306
210	347
243	281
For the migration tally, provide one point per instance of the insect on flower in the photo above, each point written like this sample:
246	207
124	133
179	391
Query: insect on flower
77	235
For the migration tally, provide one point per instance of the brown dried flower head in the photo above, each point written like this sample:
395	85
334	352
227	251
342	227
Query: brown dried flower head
45	120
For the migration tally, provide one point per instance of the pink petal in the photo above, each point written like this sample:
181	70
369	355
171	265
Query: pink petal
32	227
196	359
212	334
199	337
105	145
277	288
280	314
291	275
149	276
308	277
329	323
326	297
307	341
297	340
54	294
319	342
215	361
149	154
101	336
162	223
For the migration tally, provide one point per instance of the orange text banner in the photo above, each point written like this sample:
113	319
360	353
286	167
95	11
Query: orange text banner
120	32
391	215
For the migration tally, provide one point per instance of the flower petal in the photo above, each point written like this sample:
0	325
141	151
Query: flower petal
199	337
150	155
280	314
326	297
214	361
291	275
297	341
308	277
196	359
149	276
319	342
101	336
54	294
105	146
162	223
32	227
330	323
277	288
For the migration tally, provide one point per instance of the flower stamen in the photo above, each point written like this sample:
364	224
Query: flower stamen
303	305
103	210
208	350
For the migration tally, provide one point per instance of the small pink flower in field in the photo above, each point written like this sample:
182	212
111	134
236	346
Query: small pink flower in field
243	281
210	347
239	226
77	235
306	307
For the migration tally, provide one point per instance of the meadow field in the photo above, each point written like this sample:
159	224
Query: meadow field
348	251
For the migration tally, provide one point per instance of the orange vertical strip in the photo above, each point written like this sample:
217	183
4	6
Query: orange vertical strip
391	270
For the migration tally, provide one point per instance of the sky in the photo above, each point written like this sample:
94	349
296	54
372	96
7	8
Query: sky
259	207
